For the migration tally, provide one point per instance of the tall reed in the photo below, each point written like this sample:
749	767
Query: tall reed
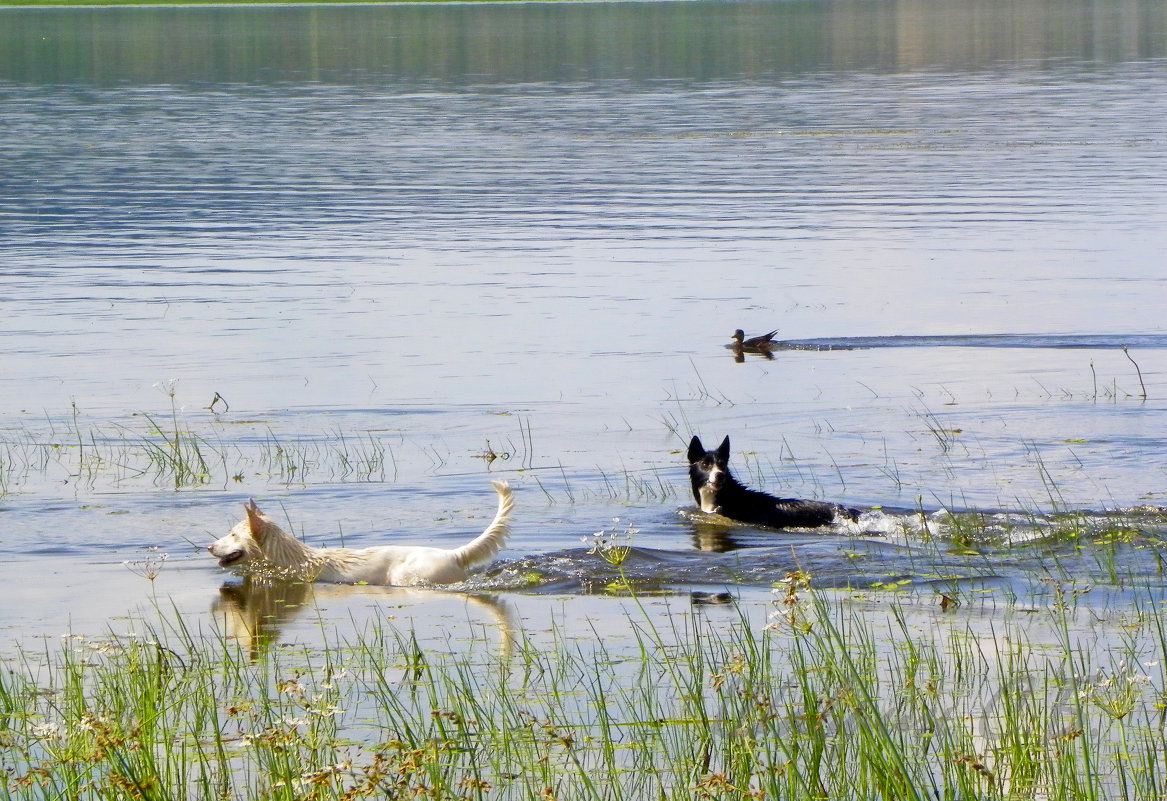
834	697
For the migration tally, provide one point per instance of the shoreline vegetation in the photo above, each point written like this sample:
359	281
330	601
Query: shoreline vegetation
823	700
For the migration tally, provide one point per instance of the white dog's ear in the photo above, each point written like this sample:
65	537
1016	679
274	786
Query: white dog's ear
254	519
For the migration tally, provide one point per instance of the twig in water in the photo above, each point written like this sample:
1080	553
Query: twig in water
528	443
566	486
550	497
1137	370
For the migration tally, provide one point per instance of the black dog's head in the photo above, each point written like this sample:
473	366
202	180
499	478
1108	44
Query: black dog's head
708	459
708	470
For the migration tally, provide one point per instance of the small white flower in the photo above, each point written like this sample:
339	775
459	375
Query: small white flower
328	711
169	387
47	731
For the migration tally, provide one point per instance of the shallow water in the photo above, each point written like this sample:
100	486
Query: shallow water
337	258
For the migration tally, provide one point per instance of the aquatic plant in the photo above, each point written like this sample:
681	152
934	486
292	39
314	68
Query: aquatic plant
614	547
173	451
823	701
150	565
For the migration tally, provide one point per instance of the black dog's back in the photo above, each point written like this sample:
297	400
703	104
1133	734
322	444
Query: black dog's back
716	490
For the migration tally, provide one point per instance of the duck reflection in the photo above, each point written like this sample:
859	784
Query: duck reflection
739	353
255	612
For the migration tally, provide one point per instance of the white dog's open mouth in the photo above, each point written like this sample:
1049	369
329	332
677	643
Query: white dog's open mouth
230	558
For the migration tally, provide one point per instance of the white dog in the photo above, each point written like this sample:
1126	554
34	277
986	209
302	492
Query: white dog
263	547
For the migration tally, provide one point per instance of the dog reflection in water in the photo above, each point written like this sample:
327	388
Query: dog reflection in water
255	612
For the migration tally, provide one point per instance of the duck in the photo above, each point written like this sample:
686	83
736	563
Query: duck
761	342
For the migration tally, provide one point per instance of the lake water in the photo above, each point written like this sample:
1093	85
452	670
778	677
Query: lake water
336	258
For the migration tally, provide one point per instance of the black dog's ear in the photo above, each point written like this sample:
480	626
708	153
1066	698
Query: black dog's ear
723	449
696	449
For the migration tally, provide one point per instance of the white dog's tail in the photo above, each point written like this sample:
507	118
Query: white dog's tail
484	547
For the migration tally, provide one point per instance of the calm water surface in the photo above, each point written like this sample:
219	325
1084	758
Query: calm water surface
343	256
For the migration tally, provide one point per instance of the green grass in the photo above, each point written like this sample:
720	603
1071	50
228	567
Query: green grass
833	698
177	452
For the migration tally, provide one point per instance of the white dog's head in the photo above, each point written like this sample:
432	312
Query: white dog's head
244	543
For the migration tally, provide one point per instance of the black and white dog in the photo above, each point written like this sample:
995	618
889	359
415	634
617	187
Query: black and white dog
717	491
